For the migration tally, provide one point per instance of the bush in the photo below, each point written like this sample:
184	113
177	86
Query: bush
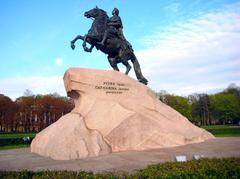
204	168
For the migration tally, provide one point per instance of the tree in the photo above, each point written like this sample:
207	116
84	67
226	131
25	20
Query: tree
201	108
28	92
50	108
233	89
179	103
162	96
25	113
195	108
32	113
8	110
226	108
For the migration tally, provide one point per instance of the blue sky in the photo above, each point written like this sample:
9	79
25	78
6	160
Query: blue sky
183	46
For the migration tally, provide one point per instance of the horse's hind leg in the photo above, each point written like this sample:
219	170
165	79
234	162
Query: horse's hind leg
128	66
113	63
137	70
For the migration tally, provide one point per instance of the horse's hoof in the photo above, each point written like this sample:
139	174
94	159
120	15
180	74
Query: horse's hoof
144	81
73	46
86	49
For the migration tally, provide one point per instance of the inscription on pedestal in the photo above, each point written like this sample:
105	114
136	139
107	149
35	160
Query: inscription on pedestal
112	87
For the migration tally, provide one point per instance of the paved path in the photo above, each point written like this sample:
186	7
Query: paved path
19	159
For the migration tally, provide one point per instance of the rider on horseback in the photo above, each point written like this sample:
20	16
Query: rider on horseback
114	28
118	49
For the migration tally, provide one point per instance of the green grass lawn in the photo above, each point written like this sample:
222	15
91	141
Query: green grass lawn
11	135
6	147
14	135
223	130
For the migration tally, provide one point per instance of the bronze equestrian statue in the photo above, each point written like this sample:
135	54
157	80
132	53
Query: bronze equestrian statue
106	35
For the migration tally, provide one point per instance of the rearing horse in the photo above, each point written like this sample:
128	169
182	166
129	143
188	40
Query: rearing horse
117	49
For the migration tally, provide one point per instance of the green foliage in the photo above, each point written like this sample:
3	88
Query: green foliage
226	107
179	103
204	168
204	109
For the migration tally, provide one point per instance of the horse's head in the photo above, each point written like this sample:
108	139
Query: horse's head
95	12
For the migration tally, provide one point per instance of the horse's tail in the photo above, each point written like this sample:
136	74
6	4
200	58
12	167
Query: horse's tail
137	70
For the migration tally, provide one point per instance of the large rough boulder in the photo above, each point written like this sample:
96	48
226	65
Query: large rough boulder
69	138
113	112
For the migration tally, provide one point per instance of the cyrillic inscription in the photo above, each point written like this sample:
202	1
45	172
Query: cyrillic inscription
112	87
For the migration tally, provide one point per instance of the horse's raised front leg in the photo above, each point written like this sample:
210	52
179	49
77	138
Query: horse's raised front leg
75	39
85	43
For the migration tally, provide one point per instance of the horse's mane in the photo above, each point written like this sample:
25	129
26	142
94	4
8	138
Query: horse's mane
103	12
100	22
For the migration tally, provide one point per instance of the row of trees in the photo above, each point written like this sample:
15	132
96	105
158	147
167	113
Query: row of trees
32	112
35	112
204	109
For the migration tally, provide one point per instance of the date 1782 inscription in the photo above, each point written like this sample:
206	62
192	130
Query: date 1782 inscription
112	87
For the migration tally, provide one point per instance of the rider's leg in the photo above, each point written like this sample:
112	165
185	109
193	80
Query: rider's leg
104	38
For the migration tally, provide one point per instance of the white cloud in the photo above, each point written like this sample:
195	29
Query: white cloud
197	55
15	87
59	61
